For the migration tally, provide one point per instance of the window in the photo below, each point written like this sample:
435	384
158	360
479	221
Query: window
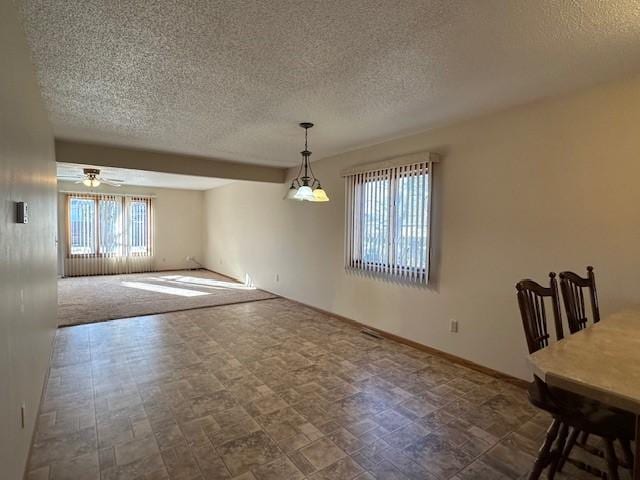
108	225
388	220
138	214
82	214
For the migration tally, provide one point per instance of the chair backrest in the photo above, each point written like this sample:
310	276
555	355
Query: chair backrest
572	286
531	299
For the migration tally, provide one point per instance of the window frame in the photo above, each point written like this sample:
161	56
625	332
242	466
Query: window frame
125	202
96	235
99	242
147	203
392	171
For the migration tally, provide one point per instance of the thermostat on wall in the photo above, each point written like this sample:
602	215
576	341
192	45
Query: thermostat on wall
22	213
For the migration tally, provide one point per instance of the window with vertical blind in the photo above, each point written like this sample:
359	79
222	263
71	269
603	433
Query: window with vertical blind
139	226
388	217
109	225
82	225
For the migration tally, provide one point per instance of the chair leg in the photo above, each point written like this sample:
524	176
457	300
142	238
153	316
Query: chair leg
612	460
627	453
582	439
556	454
571	441
544	454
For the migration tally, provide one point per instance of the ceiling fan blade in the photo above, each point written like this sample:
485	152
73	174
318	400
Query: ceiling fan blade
68	177
110	182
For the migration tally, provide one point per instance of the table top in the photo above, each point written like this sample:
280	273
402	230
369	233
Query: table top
601	362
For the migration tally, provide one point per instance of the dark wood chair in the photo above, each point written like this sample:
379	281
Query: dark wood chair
573	287
531	299
569	411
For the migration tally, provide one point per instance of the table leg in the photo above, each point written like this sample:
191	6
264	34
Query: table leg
636	462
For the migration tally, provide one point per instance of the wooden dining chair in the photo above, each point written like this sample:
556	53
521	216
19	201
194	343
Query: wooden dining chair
531	299
573	288
569	411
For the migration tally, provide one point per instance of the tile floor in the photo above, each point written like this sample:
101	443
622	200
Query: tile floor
270	390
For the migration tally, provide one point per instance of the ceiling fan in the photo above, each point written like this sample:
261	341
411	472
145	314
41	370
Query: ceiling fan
91	178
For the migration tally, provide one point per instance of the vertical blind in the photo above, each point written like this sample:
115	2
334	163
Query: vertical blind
388	214
109	234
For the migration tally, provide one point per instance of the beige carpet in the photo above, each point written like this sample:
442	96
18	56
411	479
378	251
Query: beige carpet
95	299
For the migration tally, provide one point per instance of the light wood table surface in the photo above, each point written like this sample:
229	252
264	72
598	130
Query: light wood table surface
601	362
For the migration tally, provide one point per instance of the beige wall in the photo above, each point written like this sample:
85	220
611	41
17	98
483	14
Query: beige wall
27	252
179	231
547	186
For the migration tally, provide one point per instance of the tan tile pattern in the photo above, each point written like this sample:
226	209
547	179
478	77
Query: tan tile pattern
270	390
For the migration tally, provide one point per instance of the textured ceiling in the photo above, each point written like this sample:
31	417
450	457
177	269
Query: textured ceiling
231	79
143	178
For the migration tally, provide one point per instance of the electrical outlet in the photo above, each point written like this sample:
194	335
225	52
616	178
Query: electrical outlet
453	326
277	277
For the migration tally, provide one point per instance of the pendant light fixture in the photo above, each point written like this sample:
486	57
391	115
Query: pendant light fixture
306	187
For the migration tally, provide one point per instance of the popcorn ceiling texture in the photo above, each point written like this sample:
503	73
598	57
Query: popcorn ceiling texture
230	79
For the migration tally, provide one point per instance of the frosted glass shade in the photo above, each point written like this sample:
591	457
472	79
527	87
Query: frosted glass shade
91	182
304	193
319	195
291	193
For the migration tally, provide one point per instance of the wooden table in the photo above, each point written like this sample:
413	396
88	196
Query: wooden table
601	362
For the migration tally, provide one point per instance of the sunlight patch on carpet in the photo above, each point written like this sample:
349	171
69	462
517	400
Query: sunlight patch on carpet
182	292
204	282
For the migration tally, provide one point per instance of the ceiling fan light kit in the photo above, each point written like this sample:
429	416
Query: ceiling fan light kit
91	177
306	187
91	183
